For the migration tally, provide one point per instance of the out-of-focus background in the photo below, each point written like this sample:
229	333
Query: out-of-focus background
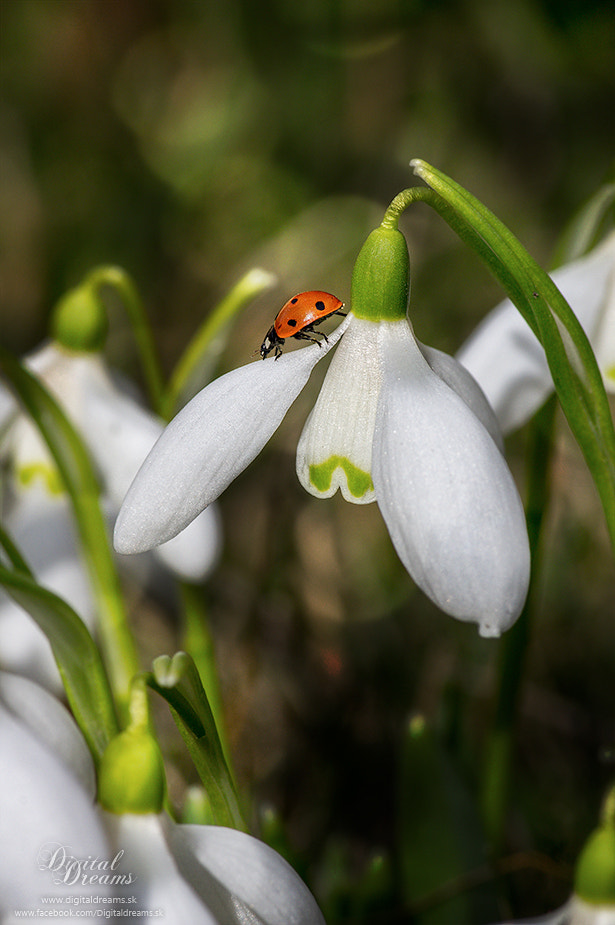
188	140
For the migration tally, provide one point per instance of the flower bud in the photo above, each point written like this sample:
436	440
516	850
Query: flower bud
381	277
595	872
131	778
79	320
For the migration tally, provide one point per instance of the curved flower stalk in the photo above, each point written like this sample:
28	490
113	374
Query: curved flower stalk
395	422
508	362
50	828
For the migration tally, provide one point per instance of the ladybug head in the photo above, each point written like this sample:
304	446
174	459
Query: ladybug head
271	341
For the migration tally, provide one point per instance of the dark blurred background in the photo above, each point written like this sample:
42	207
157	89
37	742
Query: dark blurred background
187	140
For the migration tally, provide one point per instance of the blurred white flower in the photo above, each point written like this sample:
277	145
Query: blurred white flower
118	434
50	828
509	363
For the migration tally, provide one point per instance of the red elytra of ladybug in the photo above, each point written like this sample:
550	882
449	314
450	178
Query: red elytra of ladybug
297	319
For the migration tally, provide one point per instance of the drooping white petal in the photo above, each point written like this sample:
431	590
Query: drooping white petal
51	724
445	492
209	443
43	808
120	434
506	358
461	381
335	447
240	878
157	882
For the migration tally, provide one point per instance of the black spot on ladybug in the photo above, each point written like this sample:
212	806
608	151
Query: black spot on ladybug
292	301
320	306
292	322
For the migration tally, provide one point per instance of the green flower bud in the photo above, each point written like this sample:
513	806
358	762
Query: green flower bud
595	871
131	778
381	277
79	320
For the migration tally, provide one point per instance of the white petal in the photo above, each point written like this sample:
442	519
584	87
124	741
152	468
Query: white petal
446	494
338	434
461	381
51	724
194	552
209	443
505	357
241	879
43	806
120	434
603	339
157	882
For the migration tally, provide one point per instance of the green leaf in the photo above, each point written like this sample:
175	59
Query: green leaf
576	376
74	650
177	680
77	473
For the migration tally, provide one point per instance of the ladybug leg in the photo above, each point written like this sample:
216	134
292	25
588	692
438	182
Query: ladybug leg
305	335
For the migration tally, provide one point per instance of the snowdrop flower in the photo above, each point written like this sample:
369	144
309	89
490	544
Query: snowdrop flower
62	845
509	363
395	422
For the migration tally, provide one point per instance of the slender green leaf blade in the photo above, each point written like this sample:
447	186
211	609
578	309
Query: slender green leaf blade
178	681
76	654
73	463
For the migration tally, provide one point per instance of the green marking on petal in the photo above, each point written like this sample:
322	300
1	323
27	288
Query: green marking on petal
49	475
359	481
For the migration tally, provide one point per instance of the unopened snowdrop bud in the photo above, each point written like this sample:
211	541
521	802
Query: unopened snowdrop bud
131	778
79	320
595	872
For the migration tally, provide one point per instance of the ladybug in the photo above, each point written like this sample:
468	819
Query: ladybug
297	319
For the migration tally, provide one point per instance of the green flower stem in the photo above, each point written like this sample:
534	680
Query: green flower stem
497	766
208	342
468	234
118	280
138	704
198	643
